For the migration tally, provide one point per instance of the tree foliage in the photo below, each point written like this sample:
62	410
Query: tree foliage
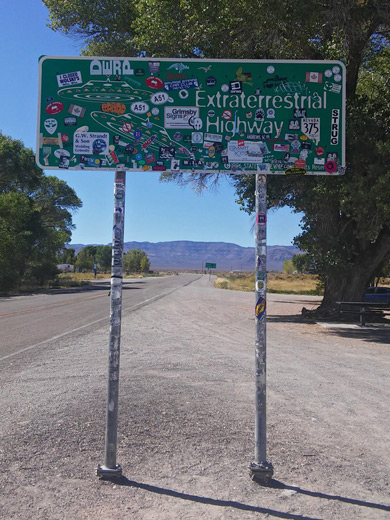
67	255
303	263
346	224
103	257
136	261
288	266
35	217
84	260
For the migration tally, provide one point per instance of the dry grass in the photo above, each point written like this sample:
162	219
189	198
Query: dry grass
276	283
294	283
77	277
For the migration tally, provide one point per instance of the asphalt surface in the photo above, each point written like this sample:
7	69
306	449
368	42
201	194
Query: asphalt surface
30	320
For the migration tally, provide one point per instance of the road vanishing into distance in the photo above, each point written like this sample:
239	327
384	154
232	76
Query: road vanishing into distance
28	321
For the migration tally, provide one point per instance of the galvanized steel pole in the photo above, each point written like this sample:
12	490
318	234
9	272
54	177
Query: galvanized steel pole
110	468
260	469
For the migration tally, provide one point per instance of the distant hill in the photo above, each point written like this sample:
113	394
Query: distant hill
184	254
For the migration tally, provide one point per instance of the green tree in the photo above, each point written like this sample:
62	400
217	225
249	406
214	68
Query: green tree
145	264
36	219
106	25
346	224
303	263
135	261
288	267
103	257
67	256
84	260
18	223
91	250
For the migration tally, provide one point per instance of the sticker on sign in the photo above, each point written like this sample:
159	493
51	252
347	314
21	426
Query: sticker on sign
311	126
91	143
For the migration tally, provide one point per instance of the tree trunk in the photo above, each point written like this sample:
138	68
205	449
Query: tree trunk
351	286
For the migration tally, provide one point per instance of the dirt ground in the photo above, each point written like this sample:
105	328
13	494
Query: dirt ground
185	433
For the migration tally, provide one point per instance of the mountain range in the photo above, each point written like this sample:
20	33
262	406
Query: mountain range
185	254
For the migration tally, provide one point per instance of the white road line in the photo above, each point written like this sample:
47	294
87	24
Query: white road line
132	308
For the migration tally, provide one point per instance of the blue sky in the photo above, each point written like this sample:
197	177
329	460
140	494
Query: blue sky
155	212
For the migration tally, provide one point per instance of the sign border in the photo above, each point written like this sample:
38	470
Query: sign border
294	171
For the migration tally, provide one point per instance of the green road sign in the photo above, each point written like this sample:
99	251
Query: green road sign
216	116
211	266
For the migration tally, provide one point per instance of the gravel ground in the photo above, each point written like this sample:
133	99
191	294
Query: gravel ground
185	433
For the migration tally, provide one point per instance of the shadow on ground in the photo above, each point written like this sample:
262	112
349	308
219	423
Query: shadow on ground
376	333
123	481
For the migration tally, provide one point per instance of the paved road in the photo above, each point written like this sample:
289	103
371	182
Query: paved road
27	321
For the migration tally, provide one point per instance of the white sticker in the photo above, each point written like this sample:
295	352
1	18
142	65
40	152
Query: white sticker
91	143
179	117
216	138
175	165
310	126
50	125
246	151
159	98
60	152
139	107
71	78
334	129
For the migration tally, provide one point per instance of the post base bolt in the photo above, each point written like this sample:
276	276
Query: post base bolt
107	473
261	472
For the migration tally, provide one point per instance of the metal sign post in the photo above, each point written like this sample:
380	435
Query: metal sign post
260	469
110	468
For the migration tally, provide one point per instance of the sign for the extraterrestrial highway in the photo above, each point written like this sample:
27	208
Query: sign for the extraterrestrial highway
225	116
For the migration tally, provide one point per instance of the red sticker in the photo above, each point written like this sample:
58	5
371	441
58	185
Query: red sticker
300	163
65	138
227	114
319	150
54	108
154	82
330	166
127	127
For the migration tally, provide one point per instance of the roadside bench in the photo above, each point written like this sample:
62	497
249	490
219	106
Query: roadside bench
364	309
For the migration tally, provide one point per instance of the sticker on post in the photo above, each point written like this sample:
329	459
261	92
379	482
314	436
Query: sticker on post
260	286
260	308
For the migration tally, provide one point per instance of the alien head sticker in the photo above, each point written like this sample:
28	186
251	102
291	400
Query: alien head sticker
50	125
